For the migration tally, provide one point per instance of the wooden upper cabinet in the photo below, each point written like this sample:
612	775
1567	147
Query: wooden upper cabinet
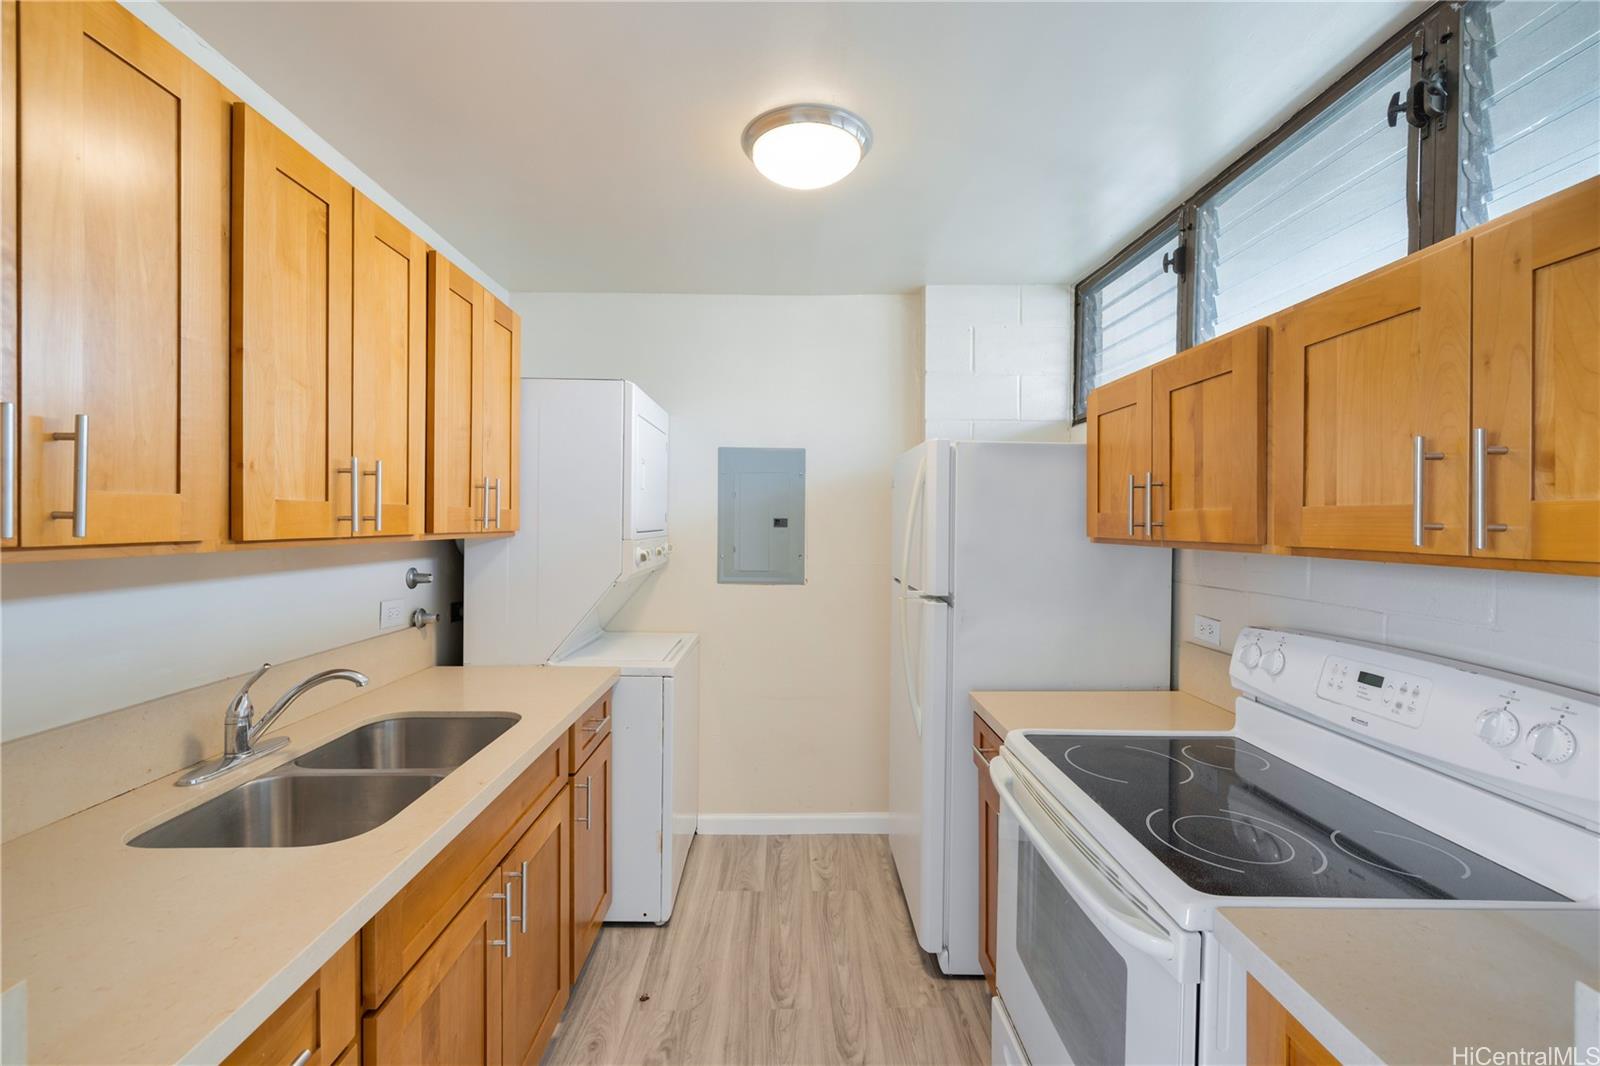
501	408
1370	403
1118	458
1536	380
447	1010
8	265
123	302
291	337
1208	415
389	371
457	313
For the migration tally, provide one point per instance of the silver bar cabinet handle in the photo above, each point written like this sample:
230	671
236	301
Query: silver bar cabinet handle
484	488
354	517
505	910
497	503
524	876
588	799
8	469
1419	455
593	728
376	474
1481	526
1150	522
302	1058
80	476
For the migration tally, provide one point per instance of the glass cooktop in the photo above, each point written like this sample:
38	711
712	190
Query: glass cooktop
1233	820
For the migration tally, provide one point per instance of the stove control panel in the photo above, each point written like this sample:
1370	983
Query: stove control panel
1528	738
1376	689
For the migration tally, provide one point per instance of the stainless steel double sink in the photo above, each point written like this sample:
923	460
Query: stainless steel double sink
348	786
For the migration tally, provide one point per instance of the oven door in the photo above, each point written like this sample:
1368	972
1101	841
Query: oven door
1088	974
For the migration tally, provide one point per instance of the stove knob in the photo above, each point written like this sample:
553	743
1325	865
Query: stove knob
1498	727
1250	656
1273	662
1552	743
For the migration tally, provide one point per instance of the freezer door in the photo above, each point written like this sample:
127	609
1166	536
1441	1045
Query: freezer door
920	543
919	707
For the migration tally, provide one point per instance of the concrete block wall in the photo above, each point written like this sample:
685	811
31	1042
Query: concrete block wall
1544	626
998	362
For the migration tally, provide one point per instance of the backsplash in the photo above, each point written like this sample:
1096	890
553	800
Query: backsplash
998	362
1544	626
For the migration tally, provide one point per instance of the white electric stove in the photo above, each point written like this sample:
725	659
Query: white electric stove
1356	775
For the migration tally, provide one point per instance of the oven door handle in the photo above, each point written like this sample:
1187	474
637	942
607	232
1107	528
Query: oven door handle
1088	886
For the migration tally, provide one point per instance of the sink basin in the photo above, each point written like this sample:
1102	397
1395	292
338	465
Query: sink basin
291	811
423	742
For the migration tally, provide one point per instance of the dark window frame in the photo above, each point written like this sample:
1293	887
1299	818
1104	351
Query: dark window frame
1433	38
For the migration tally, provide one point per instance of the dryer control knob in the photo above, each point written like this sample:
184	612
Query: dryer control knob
1498	727
1552	743
1273	662
1250	656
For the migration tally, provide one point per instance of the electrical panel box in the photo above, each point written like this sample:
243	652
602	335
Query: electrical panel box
761	516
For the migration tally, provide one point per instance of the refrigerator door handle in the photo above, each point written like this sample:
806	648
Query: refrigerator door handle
911	517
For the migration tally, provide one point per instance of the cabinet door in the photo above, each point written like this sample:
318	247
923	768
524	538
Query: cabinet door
456	325
389	370
123	312
538	972
1274	1037
447	1010
985	746
291	373
8	269
1119	457
499	417
591	852
1369	410
1536	380
1208	446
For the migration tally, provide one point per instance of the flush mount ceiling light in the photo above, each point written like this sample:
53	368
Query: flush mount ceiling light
806	146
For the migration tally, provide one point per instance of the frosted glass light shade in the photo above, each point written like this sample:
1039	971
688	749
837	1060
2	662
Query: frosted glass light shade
806	146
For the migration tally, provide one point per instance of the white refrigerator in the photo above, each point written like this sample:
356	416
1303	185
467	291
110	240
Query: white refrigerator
995	585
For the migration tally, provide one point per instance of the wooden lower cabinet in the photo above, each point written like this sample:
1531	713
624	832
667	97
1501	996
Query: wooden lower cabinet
591	866
318	1022
537	965
1273	1036
448	1009
986	746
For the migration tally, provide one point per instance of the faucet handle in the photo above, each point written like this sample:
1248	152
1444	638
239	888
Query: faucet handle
241	698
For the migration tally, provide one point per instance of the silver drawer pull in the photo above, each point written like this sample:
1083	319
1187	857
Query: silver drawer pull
595	727
302	1058
1419	455
354	517
80	476
8	470
1481	526
376	474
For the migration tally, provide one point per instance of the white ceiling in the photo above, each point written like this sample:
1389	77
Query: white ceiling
595	147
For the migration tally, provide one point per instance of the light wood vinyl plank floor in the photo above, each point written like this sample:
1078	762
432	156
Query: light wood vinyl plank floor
781	950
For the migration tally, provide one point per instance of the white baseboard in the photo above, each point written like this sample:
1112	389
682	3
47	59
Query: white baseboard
793	824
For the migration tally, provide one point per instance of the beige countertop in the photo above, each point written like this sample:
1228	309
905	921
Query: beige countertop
1408	986
1176	712
135	955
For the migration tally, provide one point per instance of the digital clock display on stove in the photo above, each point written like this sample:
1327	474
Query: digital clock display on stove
1375	680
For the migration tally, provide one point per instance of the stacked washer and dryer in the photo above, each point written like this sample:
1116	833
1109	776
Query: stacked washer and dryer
594	531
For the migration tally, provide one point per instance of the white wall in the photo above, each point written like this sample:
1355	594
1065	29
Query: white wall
1541	625
998	362
794	684
79	638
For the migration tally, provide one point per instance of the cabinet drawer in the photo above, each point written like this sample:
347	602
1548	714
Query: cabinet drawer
397	937
588	731
319	1021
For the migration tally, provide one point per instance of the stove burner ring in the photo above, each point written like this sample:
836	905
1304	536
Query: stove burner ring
1234	820
1185	767
1188	751
1466	871
1248	819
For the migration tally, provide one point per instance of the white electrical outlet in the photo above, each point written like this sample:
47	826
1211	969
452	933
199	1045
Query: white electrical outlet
1207	631
391	614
